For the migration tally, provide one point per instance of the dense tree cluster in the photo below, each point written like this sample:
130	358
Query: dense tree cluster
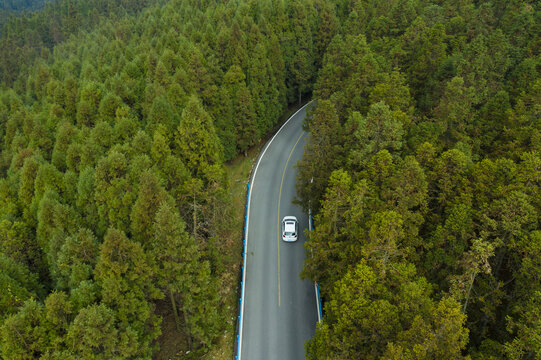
113	193
423	168
26	35
20	5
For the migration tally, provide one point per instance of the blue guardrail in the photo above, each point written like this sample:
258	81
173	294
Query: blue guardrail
244	234
320	306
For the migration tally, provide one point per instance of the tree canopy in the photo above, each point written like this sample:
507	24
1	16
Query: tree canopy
422	169
116	121
426	231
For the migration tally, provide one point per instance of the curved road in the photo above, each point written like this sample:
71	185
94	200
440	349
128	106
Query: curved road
279	310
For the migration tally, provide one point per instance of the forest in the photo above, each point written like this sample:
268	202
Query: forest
16	7
118	117
114	135
424	154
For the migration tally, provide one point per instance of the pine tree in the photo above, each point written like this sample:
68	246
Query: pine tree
150	196
112	192
383	245
359	324
242	111
77	258
454	111
184	278
322	152
327	262
196	139
423	53
326	30
298	52
18	242
19	285
439	336
378	131
21	334
245	129
162	114
94	333
124	275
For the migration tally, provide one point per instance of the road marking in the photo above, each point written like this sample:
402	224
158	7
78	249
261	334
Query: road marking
280	197
247	223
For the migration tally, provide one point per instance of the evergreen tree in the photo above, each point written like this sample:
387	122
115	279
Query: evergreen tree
162	114
113	198
422	169
94	333
22	337
424	52
183	277
299	51
19	285
321	151
18	243
243	114
124	273
151	195
454	111
380	130
440	336
77	258
196	139
329	260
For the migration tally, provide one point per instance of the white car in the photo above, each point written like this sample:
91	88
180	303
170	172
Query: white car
290	228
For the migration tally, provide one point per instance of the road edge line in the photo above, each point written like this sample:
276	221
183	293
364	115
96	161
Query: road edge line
247	228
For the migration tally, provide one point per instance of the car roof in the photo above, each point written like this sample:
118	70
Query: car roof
290	227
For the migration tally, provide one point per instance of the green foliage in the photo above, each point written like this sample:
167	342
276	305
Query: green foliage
241	110
439	147
19	244
77	258
150	196
455	111
527	328
113	198
115	122
108	107
22	335
32	35
349	71
380	130
422	169
196	140
299	50
18	283
440	336
365	313
124	274
161	114
423	53
245	128
322	152
94	334
329	260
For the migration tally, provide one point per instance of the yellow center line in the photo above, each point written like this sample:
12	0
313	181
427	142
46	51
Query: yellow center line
279	197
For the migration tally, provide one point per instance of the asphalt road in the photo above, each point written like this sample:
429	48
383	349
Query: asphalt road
279	310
